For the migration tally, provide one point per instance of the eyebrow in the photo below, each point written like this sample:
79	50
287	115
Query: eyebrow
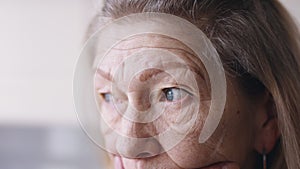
104	74
143	77
147	74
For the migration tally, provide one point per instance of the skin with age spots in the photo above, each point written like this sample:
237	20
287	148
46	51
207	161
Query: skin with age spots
223	149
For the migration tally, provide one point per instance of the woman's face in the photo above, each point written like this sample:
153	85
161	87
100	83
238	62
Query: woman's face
232	141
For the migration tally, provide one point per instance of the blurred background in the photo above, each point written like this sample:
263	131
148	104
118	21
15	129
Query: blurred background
39	44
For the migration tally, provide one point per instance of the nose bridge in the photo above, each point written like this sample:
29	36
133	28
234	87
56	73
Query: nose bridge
139	99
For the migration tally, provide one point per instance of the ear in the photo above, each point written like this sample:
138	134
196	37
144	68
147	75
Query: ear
266	127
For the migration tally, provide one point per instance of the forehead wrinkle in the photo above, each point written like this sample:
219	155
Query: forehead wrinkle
137	42
155	47
185	57
151	40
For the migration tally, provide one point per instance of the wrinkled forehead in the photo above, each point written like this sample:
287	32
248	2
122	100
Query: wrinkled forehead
151	40
137	43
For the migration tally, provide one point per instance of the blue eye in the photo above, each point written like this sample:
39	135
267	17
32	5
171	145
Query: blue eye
107	97
173	94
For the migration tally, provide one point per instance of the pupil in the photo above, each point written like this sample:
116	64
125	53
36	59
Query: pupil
170	95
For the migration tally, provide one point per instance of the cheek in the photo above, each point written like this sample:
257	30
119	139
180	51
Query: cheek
235	131
189	153
232	140
109	113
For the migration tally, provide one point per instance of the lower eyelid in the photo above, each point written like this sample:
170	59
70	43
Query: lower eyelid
178	102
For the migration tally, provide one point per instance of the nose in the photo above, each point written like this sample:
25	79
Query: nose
137	127
139	100
138	141
138	147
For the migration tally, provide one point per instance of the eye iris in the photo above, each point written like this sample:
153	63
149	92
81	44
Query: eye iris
107	97
170	95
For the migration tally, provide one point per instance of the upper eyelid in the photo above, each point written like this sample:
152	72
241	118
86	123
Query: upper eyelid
187	91
104	89
183	88
178	88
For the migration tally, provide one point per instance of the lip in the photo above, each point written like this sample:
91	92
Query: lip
218	165
118	164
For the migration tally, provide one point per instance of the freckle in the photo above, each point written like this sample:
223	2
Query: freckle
238	112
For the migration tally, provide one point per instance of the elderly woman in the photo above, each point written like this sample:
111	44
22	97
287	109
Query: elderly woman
258	46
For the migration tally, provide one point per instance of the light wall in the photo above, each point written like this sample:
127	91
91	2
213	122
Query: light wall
40	41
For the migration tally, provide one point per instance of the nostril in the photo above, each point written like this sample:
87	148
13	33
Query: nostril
144	155
138	148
